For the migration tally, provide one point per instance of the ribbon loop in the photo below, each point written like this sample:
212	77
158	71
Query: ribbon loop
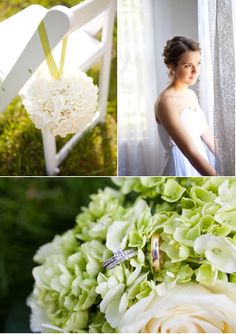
52	66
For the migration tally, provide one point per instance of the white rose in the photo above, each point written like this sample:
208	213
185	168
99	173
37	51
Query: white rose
188	308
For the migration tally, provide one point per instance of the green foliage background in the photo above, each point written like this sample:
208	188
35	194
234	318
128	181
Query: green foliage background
21	150
32	211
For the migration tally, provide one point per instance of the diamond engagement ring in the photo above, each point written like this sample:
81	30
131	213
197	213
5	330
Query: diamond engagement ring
118	257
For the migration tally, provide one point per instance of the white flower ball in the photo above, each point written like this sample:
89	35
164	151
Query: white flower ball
62	106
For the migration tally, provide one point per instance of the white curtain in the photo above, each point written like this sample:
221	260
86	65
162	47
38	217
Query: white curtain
139	152
217	80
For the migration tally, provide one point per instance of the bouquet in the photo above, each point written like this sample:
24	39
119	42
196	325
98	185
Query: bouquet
158	254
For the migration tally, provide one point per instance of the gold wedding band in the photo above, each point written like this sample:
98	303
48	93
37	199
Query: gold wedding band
155	252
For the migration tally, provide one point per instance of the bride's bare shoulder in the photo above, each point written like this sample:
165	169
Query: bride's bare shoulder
165	104
165	101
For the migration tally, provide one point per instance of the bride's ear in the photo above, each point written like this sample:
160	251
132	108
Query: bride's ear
171	69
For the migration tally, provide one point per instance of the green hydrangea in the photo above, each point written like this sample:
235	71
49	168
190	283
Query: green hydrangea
195	219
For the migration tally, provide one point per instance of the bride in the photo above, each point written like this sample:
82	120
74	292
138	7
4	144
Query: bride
182	125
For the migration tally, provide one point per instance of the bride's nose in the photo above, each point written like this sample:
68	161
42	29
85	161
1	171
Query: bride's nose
194	70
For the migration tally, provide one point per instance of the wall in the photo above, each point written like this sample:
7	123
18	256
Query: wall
171	18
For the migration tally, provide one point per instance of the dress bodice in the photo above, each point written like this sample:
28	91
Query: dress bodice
175	162
194	122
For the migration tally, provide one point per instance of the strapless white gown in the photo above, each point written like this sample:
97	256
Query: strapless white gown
175	163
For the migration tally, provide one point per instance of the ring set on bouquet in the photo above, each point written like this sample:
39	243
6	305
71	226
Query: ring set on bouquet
120	255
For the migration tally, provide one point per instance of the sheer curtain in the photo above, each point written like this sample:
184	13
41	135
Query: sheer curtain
217	79
138	150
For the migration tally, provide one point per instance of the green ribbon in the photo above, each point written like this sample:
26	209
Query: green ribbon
52	66
63	56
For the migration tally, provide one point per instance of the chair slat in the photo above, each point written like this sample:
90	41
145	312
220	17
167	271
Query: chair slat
87	11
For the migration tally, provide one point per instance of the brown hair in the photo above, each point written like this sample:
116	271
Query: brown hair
175	47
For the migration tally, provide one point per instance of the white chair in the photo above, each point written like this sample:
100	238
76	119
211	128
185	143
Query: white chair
23	53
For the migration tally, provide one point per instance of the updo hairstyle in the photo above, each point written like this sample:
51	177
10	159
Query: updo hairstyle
175	47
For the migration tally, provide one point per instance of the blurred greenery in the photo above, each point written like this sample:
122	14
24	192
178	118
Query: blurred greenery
32	211
21	149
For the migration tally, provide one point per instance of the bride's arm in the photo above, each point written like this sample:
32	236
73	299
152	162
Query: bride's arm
208	139
207	136
169	117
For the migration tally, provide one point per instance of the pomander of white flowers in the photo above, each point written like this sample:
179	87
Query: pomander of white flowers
62	106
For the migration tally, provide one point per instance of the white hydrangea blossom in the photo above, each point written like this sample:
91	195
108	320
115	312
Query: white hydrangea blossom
61	106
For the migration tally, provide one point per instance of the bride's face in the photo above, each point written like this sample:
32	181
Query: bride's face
188	68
